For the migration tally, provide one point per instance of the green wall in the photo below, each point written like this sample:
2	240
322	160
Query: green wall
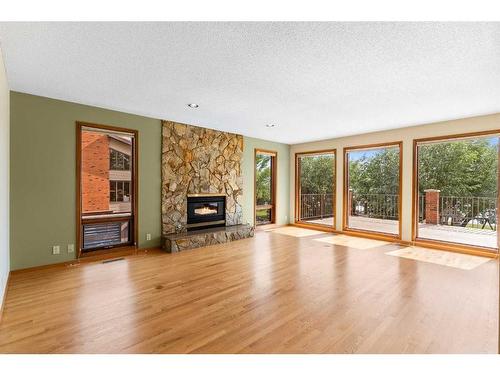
43	181
283	180
42	173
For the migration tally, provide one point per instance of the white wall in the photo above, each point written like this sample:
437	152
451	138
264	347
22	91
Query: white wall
4	179
406	135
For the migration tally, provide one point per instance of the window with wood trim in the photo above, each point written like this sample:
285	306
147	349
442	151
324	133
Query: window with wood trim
315	188
106	186
456	190
372	189
265	187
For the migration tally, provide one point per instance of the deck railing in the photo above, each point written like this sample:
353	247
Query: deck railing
452	210
379	206
316	206
455	210
421	208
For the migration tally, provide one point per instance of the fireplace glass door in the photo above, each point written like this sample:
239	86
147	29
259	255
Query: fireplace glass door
205	211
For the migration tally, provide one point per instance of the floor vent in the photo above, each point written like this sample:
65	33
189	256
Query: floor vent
112	260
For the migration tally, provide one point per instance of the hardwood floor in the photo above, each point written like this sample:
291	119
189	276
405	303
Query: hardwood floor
274	293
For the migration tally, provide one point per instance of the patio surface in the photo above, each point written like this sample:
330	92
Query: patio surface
468	236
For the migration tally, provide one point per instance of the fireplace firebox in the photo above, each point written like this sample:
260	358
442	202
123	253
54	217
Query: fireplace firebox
206	211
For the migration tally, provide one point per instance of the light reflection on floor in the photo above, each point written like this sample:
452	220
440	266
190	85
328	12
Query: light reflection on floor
443	258
295	231
353	242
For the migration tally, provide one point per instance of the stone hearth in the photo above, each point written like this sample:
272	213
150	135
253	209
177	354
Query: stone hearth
190	240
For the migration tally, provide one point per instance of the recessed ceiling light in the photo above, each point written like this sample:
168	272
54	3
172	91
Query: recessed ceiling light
193	105
270	125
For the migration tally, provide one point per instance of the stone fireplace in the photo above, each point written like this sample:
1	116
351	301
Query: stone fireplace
199	162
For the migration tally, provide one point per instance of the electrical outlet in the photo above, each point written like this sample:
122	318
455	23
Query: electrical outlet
56	250
71	248
148	236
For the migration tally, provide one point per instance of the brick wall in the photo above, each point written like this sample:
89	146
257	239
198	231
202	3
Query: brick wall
432	206
95	172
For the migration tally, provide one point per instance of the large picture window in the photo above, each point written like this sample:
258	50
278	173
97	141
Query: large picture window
372	183
456	190
315	188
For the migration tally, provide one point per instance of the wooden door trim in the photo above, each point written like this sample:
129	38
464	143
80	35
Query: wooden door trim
135	185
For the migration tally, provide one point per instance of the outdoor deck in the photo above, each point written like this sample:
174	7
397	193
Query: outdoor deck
469	236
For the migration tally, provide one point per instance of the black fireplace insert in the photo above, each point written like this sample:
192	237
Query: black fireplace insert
205	211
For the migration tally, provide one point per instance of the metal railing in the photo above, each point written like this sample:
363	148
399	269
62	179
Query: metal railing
452	210
421	208
460	211
316	206
379	206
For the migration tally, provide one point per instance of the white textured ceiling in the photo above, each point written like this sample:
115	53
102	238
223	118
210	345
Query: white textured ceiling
313	80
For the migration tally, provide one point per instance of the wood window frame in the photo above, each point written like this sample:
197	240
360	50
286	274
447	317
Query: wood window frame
274	185
345	221
135	189
296	219
445	245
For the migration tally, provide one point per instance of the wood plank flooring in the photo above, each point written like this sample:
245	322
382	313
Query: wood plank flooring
274	293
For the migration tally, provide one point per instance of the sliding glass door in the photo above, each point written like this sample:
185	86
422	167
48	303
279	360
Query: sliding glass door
372	189
315	188
456	191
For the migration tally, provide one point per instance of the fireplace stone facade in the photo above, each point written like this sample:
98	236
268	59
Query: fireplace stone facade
197	160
